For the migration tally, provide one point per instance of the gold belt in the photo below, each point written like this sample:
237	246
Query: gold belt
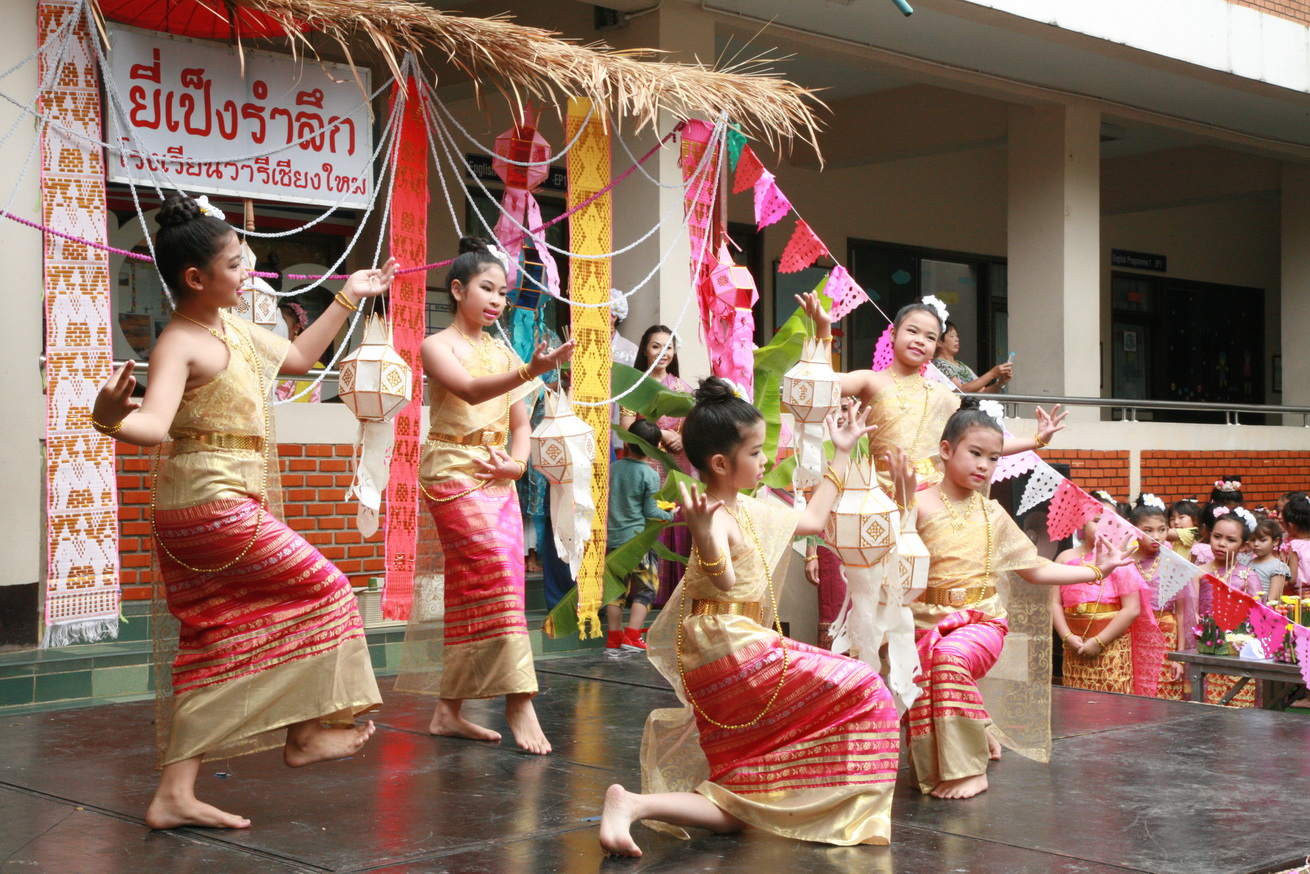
1092	607
215	440
477	438
940	596
709	607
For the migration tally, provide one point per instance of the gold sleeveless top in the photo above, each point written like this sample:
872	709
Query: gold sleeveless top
452	417
219	447
914	422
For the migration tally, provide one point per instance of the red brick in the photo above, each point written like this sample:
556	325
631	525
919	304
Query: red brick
333	465
359	551
318	480
318	450
349	566
299	494
290	449
301	525
136	528
136	464
139	559
293	480
331	523
135	497
345	450
302	464
348	536
333	553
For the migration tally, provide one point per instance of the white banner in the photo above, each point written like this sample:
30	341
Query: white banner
191	110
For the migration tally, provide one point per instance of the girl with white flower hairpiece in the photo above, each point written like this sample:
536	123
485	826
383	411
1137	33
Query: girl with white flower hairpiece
909	410
476	450
1229	533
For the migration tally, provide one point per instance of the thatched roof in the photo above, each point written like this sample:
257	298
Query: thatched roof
529	62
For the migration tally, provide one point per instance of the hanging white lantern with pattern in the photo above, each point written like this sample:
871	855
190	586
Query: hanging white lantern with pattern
811	391
564	451
257	302
375	384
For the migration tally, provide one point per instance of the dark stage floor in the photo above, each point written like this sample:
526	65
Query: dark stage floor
1134	785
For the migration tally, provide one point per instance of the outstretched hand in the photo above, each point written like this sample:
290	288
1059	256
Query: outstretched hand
809	301
1113	557
857	425
114	401
1050	424
501	466
698	508
371	283
545	359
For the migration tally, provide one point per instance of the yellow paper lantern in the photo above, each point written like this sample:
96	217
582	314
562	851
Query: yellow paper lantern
376	383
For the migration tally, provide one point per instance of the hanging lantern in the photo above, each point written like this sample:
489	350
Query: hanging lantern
525	144
258	302
564	450
911	561
376	383
527	291
861	528
811	391
732	285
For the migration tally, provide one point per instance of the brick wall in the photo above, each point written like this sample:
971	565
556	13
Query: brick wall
1293	10
1265	475
314	482
1093	470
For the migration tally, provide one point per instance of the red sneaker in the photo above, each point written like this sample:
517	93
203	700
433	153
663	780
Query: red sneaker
632	639
614	639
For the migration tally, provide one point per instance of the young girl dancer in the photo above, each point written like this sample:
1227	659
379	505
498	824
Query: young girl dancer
961	621
1111	640
1228	535
773	733
475	389
270	636
1175	618
909	410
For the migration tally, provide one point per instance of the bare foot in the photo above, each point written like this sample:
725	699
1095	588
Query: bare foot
311	742
616	823
522	718
993	748
964	787
447	722
177	812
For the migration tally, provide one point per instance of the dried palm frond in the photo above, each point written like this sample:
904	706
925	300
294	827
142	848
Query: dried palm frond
533	63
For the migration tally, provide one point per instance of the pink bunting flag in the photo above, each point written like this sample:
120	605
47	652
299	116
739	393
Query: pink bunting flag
1018	464
803	249
1231	607
1270	626
845	293
1070	508
749	170
1115	529
770	203
1301	642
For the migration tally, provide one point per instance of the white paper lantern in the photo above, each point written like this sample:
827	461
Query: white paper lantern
811	390
257	302
861	528
563	446
376	383
911	561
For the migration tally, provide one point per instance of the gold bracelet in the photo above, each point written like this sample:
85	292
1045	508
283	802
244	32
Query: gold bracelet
831	475
1097	638
1100	574
524	373
1065	639
810	558
523	465
340	297
107	430
1041	444
700	560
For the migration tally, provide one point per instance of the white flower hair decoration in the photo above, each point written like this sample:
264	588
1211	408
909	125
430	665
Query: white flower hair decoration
994	409
1219	511
207	208
1247	517
933	301
1228	485
500	255
737	389
1150	500
618	304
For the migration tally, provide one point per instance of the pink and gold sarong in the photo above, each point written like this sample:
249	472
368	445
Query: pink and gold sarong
1169	688
948	723
273	640
487	649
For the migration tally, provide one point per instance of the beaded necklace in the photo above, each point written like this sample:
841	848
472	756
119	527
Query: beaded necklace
960	519
905	403
747	526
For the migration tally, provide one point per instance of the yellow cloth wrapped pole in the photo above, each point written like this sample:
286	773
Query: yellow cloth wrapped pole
590	233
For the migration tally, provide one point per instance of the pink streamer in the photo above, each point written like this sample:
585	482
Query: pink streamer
844	292
803	249
1070	508
1015	465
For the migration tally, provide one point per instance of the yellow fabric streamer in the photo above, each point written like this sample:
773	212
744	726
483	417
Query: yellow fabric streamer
590	233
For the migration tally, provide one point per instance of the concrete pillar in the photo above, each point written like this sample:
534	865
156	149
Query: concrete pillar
1054	230
22	428
1295	286
688	34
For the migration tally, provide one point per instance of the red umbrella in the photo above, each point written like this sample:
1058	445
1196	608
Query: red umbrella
212	19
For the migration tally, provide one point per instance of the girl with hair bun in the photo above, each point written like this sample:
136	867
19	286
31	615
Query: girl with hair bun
909	410
270	637
976	594
774	734
1229	532
475	452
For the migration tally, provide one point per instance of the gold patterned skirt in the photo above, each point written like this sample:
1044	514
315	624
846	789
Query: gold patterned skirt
1112	670
1169	689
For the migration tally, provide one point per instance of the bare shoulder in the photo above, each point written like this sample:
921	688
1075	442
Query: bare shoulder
929	502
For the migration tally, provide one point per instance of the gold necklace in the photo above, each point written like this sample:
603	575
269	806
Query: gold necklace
221	335
747	526
905	403
958	520
251	358
1091	619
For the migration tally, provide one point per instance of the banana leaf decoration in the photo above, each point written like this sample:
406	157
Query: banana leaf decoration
773	360
650	399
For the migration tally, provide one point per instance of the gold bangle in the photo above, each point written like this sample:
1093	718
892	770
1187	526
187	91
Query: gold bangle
1041	444
1065	639
107	430
1099	574
340	297
810	558
523	465
1099	642
831	475
524	373
700	560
